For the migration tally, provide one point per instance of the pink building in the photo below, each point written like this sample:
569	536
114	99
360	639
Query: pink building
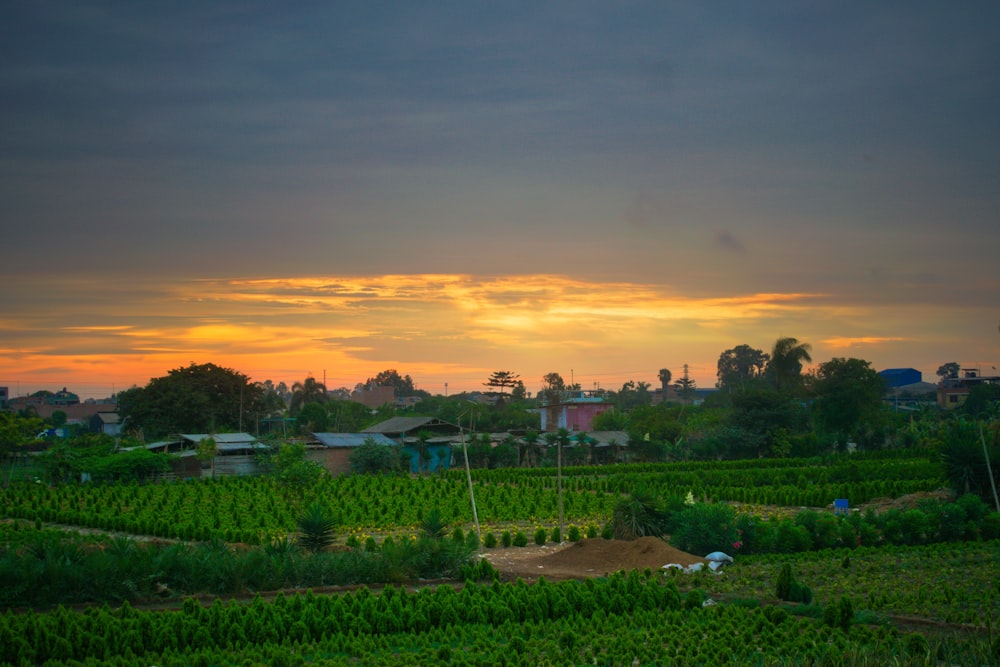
573	411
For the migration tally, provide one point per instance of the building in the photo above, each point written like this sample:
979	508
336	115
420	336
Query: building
952	392
573	410
427	440
900	377
333	450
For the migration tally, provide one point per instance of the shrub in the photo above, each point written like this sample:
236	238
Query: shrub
520	539
505	539
541	535
556	535
703	528
490	541
573	534
316	528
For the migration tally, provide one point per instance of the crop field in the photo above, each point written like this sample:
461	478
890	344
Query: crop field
909	593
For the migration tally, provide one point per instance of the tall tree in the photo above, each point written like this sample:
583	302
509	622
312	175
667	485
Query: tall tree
199	398
948	370
308	391
785	367
740	365
552	387
403	384
686	387
665	377
502	380
847	392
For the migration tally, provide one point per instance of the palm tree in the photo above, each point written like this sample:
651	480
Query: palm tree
786	362
665	377
307	391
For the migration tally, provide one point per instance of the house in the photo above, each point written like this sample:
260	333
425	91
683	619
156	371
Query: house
333	450
952	391
107	423
573	410
427	440
235	454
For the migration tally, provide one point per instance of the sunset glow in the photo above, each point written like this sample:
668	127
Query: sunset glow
436	328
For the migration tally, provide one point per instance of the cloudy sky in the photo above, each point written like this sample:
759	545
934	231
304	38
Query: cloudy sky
449	189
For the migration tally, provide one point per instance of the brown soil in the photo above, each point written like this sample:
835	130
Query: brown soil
586	558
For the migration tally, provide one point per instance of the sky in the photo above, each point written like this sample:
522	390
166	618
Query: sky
597	189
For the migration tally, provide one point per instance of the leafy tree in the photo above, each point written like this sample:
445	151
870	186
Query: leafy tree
199	398
658	422
290	465
761	420
948	370
519	392
552	387
983	402
847	392
391	378
964	459
372	457
785	366
502	380
739	366
308	391
313	418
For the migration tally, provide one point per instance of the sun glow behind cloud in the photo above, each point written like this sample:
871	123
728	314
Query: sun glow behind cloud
437	328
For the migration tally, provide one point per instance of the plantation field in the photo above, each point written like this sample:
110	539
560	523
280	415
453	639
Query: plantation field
910	587
258	510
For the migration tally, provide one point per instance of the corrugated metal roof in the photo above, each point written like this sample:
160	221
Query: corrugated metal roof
351	439
402	424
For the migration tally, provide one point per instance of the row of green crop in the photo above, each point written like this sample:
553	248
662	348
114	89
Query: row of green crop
257	510
619	620
71	570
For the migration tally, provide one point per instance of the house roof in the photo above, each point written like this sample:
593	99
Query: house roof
226	441
404	425
351	439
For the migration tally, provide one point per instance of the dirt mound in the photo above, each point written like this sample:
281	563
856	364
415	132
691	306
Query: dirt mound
589	558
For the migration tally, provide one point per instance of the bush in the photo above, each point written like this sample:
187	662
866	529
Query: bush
505	539
316	528
541	535
520	539
573	534
704	528
556	536
490	540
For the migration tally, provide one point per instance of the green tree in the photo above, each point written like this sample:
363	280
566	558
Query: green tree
308	391
502	380
665	376
948	370
740	366
761	420
552	387
847	392
372	457
403	384
313	418
785	366
207	449
199	398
